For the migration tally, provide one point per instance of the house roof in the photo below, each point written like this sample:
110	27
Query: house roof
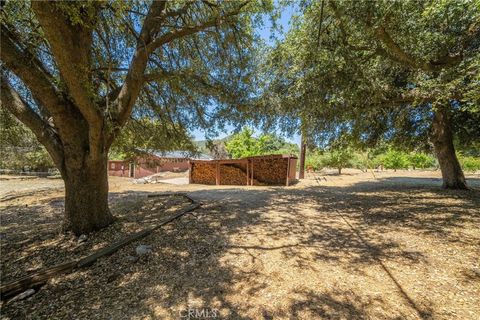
179	154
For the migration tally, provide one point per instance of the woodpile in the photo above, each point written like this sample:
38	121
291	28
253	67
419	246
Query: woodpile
270	171
203	172
261	170
233	174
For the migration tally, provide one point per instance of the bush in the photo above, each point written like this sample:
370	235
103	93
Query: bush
393	159
314	160
338	158
469	163
23	159
420	160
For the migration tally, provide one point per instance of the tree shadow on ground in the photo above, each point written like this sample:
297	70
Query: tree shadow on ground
220	256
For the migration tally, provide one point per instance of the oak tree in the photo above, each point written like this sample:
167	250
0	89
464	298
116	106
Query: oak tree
75	72
405	72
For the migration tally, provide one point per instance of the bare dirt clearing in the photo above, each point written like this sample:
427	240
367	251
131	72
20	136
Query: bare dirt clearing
329	247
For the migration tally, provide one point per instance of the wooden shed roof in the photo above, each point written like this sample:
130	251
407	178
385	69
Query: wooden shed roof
269	156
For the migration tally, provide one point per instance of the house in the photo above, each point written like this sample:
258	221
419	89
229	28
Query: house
151	163
275	169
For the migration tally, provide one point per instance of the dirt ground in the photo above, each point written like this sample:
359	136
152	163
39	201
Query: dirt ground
329	247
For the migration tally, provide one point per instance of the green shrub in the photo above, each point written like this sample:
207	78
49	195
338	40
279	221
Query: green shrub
393	159
314	159
338	158
419	160
469	163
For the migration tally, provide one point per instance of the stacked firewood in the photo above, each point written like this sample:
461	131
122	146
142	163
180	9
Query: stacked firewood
233	174
203	172
270	171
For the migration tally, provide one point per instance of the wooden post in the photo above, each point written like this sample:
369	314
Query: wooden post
252	174
303	150
217	175
190	172
248	178
288	170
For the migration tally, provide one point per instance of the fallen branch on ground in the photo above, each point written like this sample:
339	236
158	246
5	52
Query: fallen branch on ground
37	279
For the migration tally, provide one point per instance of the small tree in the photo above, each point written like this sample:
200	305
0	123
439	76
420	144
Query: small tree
314	160
469	163
394	159
421	160
244	144
339	158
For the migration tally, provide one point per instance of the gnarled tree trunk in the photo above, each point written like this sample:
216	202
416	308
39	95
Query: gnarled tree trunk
86	195
442	138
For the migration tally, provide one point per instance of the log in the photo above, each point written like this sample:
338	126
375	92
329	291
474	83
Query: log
87	261
39	278
261	170
166	194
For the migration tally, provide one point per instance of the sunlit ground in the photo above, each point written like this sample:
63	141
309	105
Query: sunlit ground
353	246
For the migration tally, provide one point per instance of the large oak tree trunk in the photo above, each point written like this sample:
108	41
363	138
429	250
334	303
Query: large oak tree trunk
86	194
442	138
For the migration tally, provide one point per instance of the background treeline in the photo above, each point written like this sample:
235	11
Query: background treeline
389	158
245	144
21	152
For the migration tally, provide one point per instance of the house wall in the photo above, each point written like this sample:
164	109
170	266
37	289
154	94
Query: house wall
147	166
118	168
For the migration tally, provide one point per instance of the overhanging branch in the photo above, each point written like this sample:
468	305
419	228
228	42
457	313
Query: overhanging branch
146	46
45	134
32	72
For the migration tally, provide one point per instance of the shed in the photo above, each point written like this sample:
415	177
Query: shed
275	169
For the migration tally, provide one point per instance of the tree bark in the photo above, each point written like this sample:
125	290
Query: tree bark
339	171
442	138
86	194
303	151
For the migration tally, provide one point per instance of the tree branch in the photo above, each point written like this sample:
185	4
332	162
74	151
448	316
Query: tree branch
147	45
71	47
189	30
408	60
32	72
45	134
394	51
133	83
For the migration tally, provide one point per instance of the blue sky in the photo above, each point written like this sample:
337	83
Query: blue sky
265	32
